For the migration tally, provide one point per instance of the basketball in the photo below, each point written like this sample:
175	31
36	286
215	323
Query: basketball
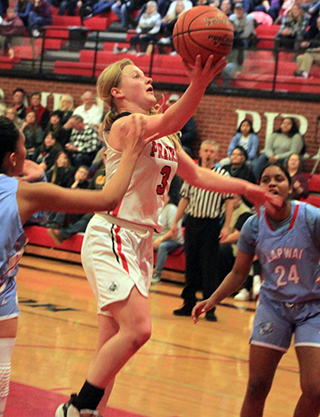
203	30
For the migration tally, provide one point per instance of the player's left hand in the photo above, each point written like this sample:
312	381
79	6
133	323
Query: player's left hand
204	74
32	172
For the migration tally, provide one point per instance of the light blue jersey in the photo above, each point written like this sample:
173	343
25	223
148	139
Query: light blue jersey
12	245
288	251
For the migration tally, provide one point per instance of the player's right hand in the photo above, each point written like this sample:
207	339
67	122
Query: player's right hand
200	308
204	74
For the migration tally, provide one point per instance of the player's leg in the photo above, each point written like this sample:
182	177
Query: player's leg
309	361
263	363
132	328
8	332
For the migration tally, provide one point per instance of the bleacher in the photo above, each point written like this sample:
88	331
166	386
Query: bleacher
70	49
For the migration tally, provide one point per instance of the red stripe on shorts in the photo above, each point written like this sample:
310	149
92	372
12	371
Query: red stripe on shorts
119	249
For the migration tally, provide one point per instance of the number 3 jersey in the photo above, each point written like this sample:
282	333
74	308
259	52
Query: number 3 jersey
149	185
288	252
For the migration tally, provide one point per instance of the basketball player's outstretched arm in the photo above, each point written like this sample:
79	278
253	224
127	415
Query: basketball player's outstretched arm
43	196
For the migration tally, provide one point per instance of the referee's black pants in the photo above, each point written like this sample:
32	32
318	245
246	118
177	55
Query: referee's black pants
201	250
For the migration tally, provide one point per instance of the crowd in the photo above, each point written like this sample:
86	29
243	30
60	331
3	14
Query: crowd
154	21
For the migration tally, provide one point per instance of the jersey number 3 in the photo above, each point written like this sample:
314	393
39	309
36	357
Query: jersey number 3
165	172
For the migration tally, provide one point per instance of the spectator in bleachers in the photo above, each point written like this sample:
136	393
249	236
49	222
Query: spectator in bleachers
23	8
247	138
79	225
164	242
147	30
176	9
121	9
292	29
312	54
62	171
84	142
189	134
79	180
244	31
313	9
238	166
46	153
42	113
61	134
11	29
12	115
299	181
39	16
66	108
32	132
226	7
90	112
19	101
64	5
101	6
280	144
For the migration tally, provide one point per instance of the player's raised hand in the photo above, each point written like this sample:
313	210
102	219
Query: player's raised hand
204	74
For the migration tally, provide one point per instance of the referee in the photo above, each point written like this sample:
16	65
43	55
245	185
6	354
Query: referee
203	231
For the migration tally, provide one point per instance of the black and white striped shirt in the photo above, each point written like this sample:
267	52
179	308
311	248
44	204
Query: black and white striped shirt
202	203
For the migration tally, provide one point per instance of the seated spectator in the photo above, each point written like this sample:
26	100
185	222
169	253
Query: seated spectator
10	29
3	105
313	9
312	54
292	29
280	145
39	16
147	30
32	132
228	244
165	242
244	31
84	142
90	112
102	6
238	167
189	134
66	108
62	135
46	153
285	8
226	7
80	180
247	138
19	101
299	180
23	9
176	9
121	9
62	171
42	113
12	115
97	182
65	5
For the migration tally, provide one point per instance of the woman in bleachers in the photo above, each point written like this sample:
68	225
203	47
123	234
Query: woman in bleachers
247	138
66	108
32	132
299	180
147	30
62	171
39	16
280	145
62	135
46	153
292	29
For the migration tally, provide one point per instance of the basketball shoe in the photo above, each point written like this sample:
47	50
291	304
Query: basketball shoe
69	410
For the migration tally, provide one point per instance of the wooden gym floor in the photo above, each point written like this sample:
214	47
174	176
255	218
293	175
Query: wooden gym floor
185	370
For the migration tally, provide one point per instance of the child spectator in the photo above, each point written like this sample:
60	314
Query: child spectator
46	153
299	180
39	16
247	138
62	171
10	29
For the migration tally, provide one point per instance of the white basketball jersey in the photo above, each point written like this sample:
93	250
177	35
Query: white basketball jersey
150	182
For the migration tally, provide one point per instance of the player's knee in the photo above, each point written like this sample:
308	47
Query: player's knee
258	388
141	335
